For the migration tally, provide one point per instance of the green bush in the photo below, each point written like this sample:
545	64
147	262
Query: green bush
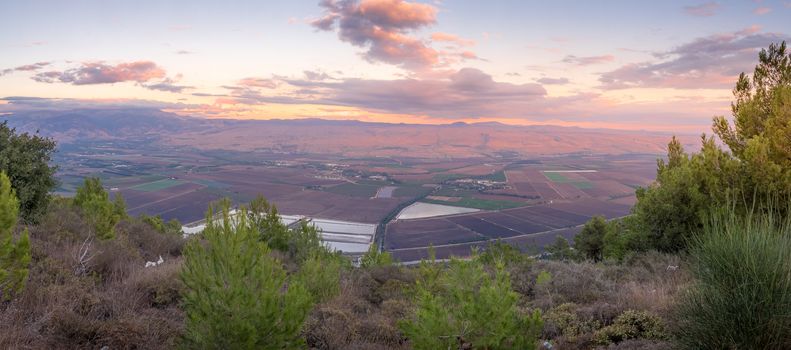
172	227
499	251
237	295
631	325
321	274
375	258
590	241
566	321
471	309
14	256
299	243
25	160
97	207
561	250
742	292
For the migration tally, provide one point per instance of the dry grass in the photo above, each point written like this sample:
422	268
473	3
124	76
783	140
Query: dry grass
86	293
365	313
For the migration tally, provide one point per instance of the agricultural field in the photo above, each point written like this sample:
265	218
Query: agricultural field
411	203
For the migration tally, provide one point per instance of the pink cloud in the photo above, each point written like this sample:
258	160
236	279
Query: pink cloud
258	82
385	28
398	13
762	10
446	37
101	73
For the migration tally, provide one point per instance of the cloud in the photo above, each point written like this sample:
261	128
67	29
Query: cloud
588	60
184	52
258	82
25	103
168	85
708	62
311	75
450	38
32	67
383	27
553	81
762	10
25	68
466	93
703	10
101	73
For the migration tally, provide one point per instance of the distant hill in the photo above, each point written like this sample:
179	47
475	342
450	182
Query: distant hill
345	137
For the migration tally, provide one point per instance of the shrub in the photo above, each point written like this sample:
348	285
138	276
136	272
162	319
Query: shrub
237	295
96	206
472	309
375	258
499	251
150	242
14	256
590	241
740	297
631	325
560	249
172	227
564	320
320	275
25	159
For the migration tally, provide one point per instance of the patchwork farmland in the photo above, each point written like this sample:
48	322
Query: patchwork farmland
409	203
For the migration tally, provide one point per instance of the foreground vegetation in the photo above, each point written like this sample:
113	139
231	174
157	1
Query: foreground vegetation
703	262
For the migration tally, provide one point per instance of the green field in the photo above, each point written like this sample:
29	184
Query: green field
477	203
559	178
411	191
354	190
211	183
157	185
496	176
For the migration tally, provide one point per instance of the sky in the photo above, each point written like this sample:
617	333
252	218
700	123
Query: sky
636	65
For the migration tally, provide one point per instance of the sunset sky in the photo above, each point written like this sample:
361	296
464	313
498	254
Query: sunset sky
654	65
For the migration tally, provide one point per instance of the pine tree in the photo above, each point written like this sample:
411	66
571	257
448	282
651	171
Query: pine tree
96	206
590	241
14	256
470	309
238	296
119	206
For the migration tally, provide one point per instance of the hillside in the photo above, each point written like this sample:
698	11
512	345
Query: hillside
347	138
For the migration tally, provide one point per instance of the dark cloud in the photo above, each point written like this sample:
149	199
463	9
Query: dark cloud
553	81
703	10
709	62
588	60
101	73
